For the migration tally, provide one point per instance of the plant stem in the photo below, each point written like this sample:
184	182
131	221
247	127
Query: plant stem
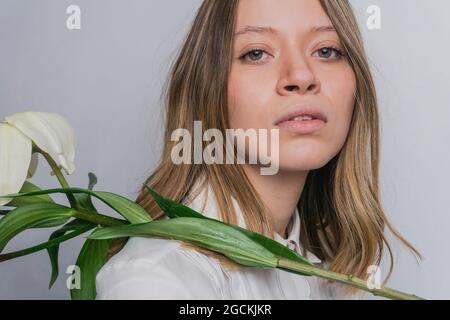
94	217
297	267
42	246
98	219
62	180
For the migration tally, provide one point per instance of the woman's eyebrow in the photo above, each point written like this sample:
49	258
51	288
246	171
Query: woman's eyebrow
327	28
270	30
255	29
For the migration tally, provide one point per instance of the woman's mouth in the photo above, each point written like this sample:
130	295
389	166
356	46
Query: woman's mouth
302	124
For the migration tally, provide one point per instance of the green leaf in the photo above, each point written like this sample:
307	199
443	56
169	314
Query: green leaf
85	199
177	210
130	210
210	234
76	225
92	257
39	215
85	202
45	224
92	180
45	245
174	209
23	201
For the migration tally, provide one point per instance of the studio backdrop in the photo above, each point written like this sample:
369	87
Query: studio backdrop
105	70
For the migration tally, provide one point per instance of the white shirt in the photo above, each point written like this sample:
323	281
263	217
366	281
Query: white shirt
159	268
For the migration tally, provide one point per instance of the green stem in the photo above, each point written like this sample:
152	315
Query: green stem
297	267
98	219
42	246
57	171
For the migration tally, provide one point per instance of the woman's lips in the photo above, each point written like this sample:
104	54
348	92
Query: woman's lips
302	126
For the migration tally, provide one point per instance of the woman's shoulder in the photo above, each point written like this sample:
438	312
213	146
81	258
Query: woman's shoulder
158	268
148	249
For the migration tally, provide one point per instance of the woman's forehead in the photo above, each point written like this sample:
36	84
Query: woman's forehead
276	18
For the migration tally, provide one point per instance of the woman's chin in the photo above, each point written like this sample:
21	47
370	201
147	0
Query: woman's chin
302	163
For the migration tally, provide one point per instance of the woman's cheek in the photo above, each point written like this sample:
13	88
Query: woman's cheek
342	125
341	95
234	90
245	105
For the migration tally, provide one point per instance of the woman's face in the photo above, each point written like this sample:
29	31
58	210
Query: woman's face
276	73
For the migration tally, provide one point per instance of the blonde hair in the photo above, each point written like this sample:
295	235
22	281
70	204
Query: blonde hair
342	220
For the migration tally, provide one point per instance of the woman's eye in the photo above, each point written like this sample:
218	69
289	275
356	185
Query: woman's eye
330	53
254	55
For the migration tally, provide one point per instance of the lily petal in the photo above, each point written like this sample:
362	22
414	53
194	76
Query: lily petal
33	165
51	133
15	157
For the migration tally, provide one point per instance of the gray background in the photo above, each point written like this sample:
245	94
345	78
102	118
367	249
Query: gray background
106	79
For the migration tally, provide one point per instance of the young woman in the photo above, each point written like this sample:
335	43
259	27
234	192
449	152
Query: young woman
259	64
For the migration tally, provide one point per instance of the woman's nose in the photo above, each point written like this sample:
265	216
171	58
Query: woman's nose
297	76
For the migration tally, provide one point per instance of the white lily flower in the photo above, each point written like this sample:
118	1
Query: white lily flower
49	131
33	165
15	157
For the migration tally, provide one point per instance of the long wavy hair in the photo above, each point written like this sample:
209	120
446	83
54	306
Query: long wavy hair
342	220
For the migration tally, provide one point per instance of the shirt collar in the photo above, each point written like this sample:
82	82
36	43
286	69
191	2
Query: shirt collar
206	204
293	239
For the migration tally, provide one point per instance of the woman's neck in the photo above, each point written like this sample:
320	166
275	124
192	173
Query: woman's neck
280	193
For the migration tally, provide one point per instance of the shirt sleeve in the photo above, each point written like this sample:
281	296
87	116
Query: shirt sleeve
172	273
